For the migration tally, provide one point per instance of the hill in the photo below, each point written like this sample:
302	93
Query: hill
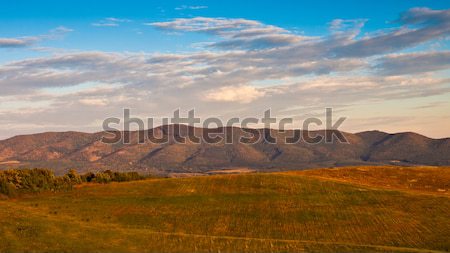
84	151
312	211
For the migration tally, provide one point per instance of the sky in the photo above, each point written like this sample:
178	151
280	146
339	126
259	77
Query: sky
383	65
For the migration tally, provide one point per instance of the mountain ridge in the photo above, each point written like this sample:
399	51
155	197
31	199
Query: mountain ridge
85	151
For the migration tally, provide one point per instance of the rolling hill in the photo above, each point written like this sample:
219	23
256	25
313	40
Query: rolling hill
354	209
85	151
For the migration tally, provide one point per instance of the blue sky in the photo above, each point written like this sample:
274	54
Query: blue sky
23	18
67	66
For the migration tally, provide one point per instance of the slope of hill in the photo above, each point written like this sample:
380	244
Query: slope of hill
260	212
84	151
410	148
432	180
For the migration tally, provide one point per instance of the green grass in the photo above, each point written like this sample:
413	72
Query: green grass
228	213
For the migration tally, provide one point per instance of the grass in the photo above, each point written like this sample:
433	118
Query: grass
261	212
433	180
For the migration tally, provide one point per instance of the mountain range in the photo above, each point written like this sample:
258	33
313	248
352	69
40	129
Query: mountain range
86	151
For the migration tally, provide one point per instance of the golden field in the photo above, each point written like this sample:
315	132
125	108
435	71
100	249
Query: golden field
354	209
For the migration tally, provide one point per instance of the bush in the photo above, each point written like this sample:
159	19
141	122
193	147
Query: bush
88	177
102	178
13	182
108	176
7	188
74	177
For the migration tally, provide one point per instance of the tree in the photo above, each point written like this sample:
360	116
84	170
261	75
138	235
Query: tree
74	177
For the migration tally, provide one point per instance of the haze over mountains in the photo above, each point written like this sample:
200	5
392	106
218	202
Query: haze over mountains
85	151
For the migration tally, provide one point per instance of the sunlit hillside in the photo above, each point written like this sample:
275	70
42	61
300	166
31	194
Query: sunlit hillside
314	211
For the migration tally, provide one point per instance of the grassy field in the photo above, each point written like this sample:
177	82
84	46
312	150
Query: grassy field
432	180
313	211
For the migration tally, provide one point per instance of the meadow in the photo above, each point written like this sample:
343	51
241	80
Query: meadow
311	211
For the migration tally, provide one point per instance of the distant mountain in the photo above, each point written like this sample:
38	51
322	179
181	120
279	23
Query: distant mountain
84	151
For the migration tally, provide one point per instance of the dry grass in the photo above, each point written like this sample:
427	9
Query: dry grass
228	213
433	180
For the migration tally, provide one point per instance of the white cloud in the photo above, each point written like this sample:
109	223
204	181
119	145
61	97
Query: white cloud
110	22
191	7
240	94
93	101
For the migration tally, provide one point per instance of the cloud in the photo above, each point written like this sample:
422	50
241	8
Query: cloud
260	42
251	52
93	101
154	85
16	42
218	77
237	33
60	30
244	65
419	25
240	94
413	63
347	27
21	42
110	22
191	7
207	25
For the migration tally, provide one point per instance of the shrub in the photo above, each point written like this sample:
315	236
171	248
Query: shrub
7	188
88	177
102	178
74	177
13	182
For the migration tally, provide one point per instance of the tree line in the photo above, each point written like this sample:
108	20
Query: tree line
17	181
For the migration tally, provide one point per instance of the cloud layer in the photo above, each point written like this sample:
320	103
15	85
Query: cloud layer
31	40
246	67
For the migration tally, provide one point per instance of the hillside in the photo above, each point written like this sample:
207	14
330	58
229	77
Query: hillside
260	212
84	151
